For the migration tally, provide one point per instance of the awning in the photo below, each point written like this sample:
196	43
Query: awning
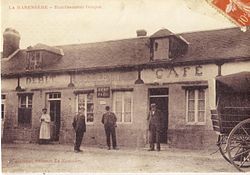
238	82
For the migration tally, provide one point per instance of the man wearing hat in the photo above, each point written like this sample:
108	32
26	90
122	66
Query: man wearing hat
155	120
109	121
79	126
44	135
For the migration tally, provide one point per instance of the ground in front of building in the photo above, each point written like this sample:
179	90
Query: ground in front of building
61	158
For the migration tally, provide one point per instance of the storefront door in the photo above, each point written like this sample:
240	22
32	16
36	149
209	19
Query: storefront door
55	114
159	96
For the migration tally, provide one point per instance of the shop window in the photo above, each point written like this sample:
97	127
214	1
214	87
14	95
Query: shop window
25	109
122	106
195	106
3	106
86	101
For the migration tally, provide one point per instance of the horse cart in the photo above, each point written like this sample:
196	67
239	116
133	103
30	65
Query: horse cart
231	119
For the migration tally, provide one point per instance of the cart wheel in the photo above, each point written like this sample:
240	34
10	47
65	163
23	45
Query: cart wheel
222	140
238	145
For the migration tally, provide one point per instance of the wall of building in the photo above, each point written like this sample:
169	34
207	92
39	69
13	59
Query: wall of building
235	67
128	134
181	134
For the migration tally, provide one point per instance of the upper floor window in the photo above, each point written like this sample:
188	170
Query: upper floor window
123	105
86	100
34	60
195	106
24	109
161	49
3	106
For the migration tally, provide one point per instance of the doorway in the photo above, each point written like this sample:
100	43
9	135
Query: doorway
159	96
54	102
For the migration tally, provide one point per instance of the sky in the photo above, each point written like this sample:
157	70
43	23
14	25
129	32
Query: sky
103	20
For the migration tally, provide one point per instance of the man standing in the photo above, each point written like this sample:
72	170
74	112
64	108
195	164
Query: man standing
79	127
44	135
155	120
109	120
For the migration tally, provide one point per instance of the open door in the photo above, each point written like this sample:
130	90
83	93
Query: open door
54	103
159	96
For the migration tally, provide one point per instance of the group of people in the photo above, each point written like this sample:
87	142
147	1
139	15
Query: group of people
108	119
155	120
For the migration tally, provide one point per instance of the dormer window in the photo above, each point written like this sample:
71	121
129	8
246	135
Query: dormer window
165	45
161	48
34	60
156	46
41	55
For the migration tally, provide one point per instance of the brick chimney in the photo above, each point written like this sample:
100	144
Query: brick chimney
11	40
141	32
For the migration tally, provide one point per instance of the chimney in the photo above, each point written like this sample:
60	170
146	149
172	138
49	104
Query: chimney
141	32
11	40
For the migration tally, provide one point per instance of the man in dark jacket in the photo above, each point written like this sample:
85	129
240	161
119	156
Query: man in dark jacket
109	120
79	127
155	120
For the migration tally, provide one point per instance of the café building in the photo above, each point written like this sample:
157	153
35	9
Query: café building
176	71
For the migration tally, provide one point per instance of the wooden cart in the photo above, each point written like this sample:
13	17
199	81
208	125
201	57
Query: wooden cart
231	119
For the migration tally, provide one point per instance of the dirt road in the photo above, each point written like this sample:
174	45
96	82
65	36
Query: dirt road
61	158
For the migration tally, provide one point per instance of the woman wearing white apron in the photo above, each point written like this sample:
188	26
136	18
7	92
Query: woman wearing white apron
44	135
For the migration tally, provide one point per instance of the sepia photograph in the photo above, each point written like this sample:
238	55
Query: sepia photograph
125	86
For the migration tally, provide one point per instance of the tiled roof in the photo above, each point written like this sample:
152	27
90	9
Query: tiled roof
203	46
217	44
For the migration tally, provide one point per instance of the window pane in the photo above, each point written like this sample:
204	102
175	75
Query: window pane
29	101
201	94
127	107
201	116
2	109
38	56
90	108
90	97
201	105
127	117
118	110
3	97
90	117
23	101
191	117
190	94
118	105
191	105
81	101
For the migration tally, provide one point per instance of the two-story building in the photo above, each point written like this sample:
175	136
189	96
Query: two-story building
175	71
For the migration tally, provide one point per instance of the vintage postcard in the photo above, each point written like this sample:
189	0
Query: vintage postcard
125	86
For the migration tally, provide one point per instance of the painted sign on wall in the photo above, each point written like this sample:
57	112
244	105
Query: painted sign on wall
40	79
179	73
